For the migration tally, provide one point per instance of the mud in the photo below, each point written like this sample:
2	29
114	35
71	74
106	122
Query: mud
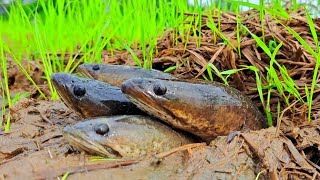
35	140
35	143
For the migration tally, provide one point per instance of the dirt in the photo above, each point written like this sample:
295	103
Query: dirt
35	143
35	149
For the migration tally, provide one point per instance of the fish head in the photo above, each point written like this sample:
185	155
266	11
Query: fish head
80	94
112	74
122	136
165	99
90	70
117	74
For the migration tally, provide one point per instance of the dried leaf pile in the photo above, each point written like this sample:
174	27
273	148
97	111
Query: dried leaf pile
181	50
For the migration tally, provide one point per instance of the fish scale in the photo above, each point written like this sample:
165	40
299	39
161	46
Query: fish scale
127	136
205	109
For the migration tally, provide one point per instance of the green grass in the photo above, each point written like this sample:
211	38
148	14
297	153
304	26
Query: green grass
99	158
64	177
282	81
82	26
238	32
86	28
316	68
5	87
314	53
3	101
214	28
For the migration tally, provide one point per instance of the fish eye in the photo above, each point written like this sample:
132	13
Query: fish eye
159	89
96	67
79	90
101	129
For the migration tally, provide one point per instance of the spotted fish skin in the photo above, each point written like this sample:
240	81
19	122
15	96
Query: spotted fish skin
205	109
124	136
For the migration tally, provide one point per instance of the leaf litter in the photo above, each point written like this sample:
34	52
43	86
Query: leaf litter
290	150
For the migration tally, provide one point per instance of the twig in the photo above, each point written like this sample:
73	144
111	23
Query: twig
50	154
181	148
45	118
79	169
281	116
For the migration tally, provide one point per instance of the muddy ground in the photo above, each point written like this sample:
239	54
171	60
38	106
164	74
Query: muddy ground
35	149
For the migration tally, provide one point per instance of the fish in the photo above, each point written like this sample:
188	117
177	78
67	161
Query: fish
92	98
124	136
117	74
205	109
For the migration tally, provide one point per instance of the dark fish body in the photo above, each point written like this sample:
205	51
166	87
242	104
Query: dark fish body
117	74
92	98
123	136
205	109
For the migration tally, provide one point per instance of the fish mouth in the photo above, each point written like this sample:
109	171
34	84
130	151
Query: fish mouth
83	71
145	102
65	94
79	140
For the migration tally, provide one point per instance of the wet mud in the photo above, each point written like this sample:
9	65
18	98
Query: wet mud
35	143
